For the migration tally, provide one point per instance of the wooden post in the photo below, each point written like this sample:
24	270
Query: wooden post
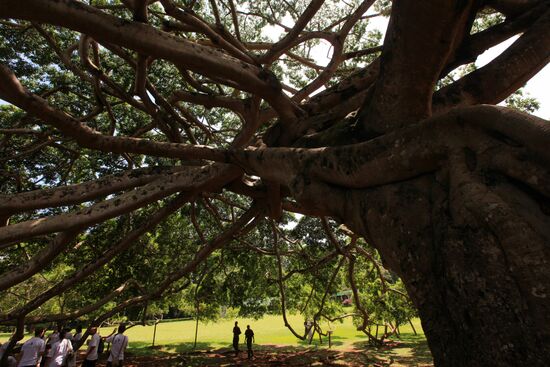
196	324
155	333
196	331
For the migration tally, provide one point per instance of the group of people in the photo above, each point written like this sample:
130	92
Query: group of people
118	341
248	337
58	349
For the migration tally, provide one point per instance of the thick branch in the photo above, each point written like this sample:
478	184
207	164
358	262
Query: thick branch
88	269
74	194
278	48
147	40
505	74
477	43
338	48
38	261
420	38
194	180
12	91
380	161
71	315
512	8
192	20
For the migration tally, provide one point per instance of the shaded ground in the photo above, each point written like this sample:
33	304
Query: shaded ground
409	351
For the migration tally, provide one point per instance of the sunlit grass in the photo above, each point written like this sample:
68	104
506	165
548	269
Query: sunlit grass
178	337
269	330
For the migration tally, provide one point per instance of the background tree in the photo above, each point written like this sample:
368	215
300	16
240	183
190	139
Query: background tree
124	115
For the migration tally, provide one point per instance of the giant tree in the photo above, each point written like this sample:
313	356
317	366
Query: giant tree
144	101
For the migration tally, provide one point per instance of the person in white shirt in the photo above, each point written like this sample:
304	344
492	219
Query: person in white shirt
61	351
33	349
75	339
90	359
119	345
52	339
78	335
68	334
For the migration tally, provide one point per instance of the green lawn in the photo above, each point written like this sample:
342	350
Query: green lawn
269	330
178	336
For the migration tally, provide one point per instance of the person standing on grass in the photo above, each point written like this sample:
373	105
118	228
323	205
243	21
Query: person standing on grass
90	359
33	349
119	345
78	335
68	334
76	338
45	358
61	350
249	337
236	333
52	339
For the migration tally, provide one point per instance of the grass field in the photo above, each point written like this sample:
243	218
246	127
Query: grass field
269	332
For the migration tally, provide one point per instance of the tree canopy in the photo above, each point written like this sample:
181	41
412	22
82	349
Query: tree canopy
163	152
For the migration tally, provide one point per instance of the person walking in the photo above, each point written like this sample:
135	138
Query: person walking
236	333
33	349
249	338
61	351
119	345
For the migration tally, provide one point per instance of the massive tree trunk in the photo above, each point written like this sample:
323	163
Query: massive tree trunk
471	242
471	238
481	298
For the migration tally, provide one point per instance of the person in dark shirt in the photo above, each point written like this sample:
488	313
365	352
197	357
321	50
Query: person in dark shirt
236	333
249	337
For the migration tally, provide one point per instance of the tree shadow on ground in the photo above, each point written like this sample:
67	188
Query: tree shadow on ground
410	350
142	348
264	356
335	341
268	355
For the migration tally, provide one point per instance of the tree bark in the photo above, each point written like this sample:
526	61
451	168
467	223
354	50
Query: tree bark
474	305
470	242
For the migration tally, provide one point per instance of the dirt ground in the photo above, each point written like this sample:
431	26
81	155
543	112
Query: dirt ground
287	356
